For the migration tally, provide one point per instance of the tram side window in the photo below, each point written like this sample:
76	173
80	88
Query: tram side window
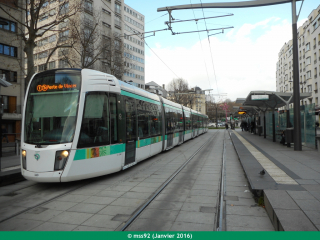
170	120
155	120
180	122
113	118
187	120
95	123
143	119
130	119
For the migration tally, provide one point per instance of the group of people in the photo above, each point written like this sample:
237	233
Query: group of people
247	126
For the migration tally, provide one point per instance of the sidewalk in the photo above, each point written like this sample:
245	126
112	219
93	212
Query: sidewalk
290	185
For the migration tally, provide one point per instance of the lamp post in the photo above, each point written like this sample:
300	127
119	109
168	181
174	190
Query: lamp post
262	3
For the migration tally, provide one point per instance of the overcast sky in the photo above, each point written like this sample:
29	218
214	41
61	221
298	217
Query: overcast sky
241	60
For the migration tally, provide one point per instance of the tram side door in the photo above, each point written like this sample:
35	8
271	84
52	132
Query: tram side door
131	131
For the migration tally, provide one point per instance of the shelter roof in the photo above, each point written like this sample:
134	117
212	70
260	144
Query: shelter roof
271	100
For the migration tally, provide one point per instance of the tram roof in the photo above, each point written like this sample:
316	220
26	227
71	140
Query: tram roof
138	91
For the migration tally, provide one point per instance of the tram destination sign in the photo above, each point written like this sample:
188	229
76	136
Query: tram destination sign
259	97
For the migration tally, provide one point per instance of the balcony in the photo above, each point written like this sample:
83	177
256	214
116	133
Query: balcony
315	76
314	47
304	56
315	61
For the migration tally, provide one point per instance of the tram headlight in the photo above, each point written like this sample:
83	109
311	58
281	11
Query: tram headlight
24	159
61	159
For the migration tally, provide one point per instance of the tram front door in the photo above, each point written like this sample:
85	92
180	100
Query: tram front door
131	133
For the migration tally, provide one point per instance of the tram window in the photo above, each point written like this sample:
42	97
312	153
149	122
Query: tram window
168	120
155	120
95	123
143	115
130	118
113	118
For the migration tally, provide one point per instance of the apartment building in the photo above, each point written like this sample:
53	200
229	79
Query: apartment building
117	23
134	47
198	102
11	64
309	61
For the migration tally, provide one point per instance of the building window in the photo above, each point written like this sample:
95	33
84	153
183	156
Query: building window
11	76
11	26
117	8
307	46
52	65
63	9
42	67
308	60
9	104
308	74
43	55
309	88
8	50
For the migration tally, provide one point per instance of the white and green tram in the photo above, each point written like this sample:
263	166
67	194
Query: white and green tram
82	123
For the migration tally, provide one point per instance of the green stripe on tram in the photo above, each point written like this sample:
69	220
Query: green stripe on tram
148	141
128	94
82	154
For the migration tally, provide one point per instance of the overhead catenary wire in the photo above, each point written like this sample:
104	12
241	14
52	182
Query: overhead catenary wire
201	47
214	71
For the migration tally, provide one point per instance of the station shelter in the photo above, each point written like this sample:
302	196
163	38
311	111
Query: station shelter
272	114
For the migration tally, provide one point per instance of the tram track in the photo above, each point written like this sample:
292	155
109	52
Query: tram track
114	184
137	213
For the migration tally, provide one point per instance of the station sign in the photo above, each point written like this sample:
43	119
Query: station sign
259	97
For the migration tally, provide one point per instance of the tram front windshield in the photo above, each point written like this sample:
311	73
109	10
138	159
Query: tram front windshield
51	110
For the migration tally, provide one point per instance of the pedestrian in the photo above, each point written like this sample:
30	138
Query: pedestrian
252	127
226	126
4	133
242	126
283	138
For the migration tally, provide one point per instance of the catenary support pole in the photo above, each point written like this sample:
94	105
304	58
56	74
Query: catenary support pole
296	90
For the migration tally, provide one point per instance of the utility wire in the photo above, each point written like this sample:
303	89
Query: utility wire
157	17
201	46
214	71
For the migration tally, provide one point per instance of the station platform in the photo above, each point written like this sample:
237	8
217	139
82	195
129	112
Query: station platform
290	185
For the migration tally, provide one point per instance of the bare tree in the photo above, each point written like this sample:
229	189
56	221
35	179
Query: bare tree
85	44
113	60
180	92
35	12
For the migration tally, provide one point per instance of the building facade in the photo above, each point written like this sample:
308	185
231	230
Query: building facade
116	23
309	61
134	47
11	65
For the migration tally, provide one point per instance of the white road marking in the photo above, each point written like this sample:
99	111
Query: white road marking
275	172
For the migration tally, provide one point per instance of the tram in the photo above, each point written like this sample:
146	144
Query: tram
82	123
